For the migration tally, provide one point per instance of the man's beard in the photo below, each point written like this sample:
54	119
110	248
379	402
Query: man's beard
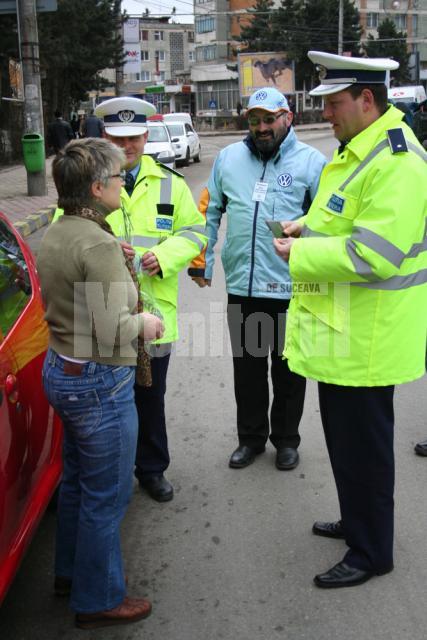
268	145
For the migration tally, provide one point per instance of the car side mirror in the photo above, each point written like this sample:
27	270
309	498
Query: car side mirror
175	139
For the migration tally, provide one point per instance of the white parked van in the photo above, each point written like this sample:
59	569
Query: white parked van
177	117
407	94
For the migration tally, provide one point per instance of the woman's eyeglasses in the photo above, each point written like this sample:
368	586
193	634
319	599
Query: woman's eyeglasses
121	175
269	118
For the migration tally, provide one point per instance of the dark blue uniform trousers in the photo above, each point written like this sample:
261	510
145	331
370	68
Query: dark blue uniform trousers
152	454
358	423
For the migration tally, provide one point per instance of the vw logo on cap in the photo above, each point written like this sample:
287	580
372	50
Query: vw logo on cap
284	180
261	95
126	115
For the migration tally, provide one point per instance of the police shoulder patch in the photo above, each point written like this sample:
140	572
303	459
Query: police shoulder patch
336	203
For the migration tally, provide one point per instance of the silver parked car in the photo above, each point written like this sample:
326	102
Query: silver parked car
159	145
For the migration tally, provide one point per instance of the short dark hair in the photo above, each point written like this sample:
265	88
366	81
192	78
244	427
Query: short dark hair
58	113
379	91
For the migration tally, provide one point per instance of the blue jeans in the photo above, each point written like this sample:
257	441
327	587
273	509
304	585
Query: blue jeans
100	432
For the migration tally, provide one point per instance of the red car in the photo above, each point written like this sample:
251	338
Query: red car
30	432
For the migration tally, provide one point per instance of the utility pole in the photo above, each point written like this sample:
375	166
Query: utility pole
33	108
340	26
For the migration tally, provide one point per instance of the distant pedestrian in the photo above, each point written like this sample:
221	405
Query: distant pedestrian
92	126
59	132
75	125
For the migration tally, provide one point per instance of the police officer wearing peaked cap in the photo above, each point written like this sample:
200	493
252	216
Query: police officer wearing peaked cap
363	239
161	220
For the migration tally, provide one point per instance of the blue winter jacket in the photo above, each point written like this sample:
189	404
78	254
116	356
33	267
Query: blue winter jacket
250	263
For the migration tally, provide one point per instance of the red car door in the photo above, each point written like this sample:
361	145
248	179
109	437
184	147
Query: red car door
30	432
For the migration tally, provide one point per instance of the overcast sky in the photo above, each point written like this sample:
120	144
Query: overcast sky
184	8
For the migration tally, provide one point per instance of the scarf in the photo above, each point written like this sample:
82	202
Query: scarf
143	365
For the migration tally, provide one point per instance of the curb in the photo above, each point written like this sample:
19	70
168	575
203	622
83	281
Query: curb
35	221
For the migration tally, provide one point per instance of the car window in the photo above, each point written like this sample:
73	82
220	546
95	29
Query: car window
175	130
157	134
15	284
188	128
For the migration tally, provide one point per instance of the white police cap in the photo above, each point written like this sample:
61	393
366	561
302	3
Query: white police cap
125	116
269	99
337	73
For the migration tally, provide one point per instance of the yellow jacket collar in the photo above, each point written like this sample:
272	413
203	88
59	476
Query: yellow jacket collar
150	168
366	140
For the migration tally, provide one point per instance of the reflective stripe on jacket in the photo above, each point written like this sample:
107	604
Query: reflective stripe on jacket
359	313
250	264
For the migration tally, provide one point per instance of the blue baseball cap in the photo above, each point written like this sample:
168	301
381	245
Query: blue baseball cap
269	99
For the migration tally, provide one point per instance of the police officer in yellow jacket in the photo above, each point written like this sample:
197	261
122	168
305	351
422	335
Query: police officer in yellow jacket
160	219
357	322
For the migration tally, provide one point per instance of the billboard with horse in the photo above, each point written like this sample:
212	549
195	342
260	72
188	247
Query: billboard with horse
270	69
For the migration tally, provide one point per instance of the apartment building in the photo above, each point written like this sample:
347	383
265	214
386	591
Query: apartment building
409	16
167	53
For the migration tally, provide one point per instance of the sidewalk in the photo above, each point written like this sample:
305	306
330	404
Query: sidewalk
30	213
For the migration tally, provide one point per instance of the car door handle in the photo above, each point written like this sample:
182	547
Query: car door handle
10	387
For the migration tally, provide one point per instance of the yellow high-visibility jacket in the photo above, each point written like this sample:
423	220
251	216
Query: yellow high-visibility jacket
160	216
359	312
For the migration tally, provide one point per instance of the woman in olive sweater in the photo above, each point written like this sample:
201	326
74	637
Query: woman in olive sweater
95	319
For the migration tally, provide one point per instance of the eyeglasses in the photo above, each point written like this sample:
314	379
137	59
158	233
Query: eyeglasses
121	175
270	118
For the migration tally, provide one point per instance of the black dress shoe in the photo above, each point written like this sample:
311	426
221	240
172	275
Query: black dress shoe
287	458
421	448
243	456
157	487
328	529
342	575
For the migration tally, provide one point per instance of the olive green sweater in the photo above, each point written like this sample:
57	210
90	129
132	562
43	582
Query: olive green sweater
88	293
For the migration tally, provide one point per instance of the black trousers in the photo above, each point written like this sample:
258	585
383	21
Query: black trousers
257	330
358	423
152	453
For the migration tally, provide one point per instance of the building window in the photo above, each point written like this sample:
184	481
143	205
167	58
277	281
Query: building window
372	20
145	76
190	36
205	24
144	34
206	53
162	75
161	55
223	93
191	56
400	21
414	24
145	56
159	35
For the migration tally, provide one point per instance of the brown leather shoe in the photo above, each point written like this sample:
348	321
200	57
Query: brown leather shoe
130	610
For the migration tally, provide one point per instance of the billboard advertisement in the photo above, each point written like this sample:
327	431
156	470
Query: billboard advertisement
132	58
131	30
270	69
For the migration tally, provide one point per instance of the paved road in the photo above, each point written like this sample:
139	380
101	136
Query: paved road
232	557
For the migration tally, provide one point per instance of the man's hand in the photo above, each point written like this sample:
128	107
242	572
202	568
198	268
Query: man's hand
291	228
127	249
150	264
283	247
202	282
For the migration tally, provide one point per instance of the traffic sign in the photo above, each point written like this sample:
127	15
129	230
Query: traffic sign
9	6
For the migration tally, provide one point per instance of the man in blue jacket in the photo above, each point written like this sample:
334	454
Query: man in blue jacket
268	176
